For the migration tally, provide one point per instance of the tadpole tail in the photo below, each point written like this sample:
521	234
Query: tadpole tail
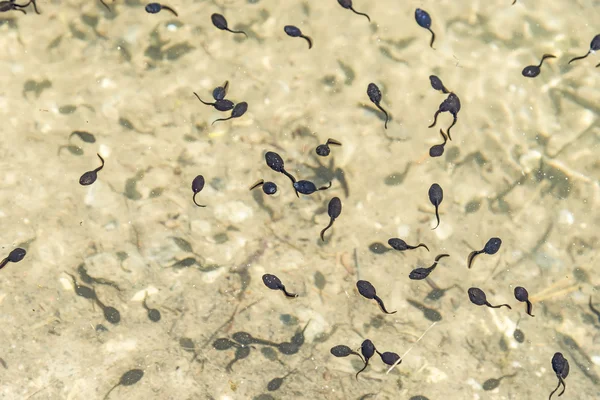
434	119
472	257
237	32
105	5
560	380
554	391
513	3
291	179
308	39
437	217
443	136
34	6
363	368
325	187
386	114
579	58
501	305
5	261
202	101
327	227
432	38
545	56
114	387
421	245
288	294
194	200
221	119
453	123
170	9
598	65
380	302
529	306
257	184
359	13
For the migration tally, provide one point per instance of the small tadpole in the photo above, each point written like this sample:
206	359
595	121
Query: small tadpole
367	290
275	383
595	311
342	350
220	92
323	150
491	247
14	256
268	188
422	273
347	4
334	209
294	31
375	96
238	110
531	71
436	195
273	283
438	149
401	245
389	358
197	186
153	313
222	344
9	5
367	348
129	378
307	187
477	297
90	177
219	105
111	314
451	105
437	84
83	291
275	162
240	353
220	22
560	366
522	295
493	383
594	46
84	136
424	20
155	8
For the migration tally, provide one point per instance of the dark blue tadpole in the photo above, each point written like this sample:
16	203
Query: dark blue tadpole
155	8
307	187
294	31
424	20
268	188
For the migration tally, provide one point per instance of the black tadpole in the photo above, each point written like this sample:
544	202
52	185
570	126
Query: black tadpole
220	22
294	31
129	378
531	71
344	351
275	162
220	92
239	110
334	209
477	297
401	245
422	273
111	314
83	291
375	96
491	247
389	358
367	290
367	348
594	46
451	105
153	313
268	188
437	84
273	283
522	295
323	150
197	186
307	187
14	256
560	366
240	353
493	383
436	195
438	149
275	383
90	177
424	20
155	8
347	4
220	105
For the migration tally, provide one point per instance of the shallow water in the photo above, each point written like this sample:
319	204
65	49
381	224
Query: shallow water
522	166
